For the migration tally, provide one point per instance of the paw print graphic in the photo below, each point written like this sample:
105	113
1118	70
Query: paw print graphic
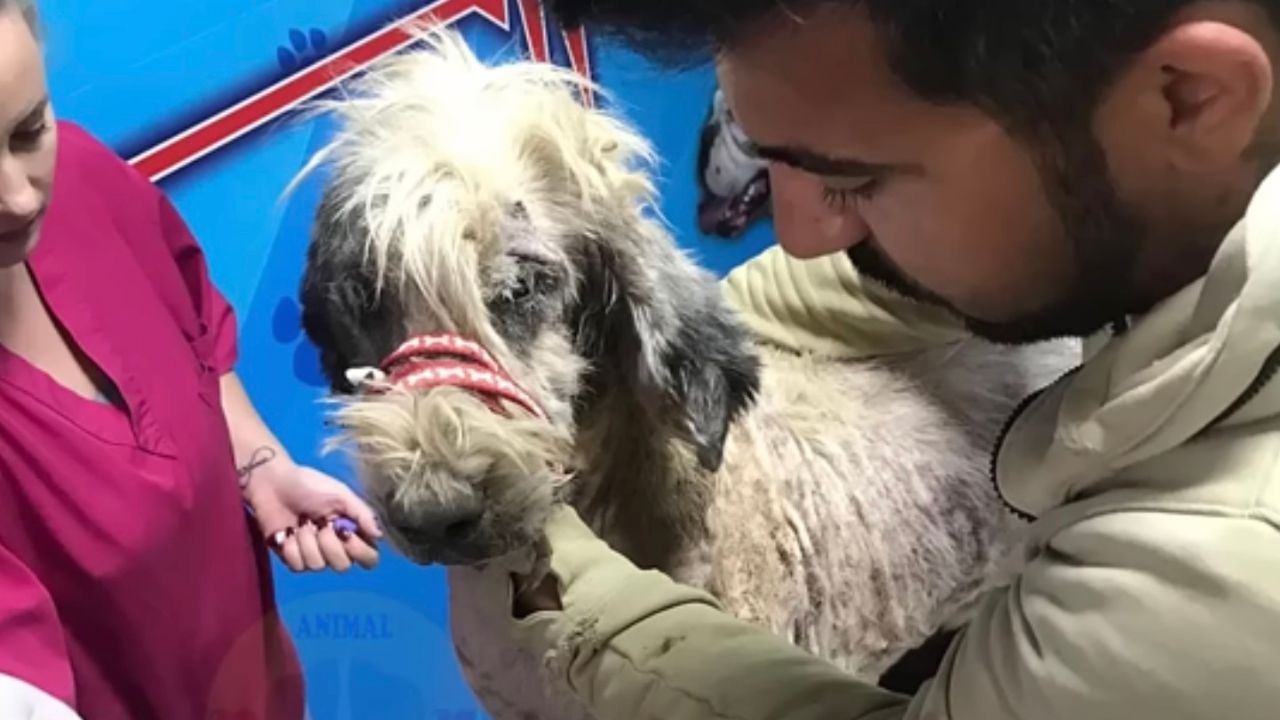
286	327
302	50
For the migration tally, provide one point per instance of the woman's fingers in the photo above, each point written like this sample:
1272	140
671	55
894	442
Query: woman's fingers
357	547
364	554
285	543
323	543
332	549
309	546
357	510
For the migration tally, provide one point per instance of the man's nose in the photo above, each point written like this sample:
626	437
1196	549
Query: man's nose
805	225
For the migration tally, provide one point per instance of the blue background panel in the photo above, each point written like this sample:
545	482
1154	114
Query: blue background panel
135	72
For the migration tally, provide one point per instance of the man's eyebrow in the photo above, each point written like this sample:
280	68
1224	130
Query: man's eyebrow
819	164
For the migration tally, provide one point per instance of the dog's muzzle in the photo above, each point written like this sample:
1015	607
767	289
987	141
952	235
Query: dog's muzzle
459	530
445	360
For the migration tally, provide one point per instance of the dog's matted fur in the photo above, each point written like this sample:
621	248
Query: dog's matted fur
845	505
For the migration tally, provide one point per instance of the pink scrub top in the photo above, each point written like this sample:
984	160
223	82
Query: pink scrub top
133	582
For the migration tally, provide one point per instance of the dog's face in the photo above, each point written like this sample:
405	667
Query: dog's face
488	204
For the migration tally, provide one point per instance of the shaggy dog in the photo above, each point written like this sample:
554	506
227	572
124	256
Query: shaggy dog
507	325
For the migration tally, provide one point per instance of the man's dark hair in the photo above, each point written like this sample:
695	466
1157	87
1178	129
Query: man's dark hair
1033	65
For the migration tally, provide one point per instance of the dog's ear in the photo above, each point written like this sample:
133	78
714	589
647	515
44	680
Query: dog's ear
350	320
648	311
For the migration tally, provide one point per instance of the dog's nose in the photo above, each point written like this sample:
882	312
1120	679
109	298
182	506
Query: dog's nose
439	524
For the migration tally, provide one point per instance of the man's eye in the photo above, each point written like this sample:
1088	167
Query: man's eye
842	198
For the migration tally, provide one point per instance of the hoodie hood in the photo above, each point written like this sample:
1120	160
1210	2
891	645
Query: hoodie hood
1202	357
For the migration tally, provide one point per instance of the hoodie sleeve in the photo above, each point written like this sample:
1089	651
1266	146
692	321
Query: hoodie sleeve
1124	615
1119	617
634	644
826	307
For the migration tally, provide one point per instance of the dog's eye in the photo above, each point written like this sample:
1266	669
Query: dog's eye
520	291
533	279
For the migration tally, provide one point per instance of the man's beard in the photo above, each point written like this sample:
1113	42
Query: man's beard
1104	237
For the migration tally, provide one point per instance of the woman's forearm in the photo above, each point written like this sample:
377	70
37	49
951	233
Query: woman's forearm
257	450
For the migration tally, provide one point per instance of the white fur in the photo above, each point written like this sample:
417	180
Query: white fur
852	512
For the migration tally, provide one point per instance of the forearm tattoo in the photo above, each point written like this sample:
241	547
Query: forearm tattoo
260	457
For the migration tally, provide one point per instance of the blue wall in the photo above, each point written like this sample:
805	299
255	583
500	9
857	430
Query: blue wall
135	72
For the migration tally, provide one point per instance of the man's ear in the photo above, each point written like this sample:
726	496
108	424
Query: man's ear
1206	84
649	311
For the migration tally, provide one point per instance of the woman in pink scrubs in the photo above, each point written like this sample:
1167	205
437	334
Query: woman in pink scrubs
134	584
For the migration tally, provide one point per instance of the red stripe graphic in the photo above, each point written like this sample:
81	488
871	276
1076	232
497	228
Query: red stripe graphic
216	132
580	57
535	29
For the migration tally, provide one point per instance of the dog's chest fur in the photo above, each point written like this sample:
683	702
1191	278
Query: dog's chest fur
853	515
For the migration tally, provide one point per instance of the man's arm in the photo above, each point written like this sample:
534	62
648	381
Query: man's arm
1122	616
635	644
825	306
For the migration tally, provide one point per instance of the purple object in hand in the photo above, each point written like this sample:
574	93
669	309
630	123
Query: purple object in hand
346	524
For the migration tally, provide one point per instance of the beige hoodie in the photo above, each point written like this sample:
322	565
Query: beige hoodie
1153	586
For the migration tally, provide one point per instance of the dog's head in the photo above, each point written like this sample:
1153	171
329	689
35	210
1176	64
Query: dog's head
487	204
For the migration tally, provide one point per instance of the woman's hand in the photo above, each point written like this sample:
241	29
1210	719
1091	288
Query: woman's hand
297	507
